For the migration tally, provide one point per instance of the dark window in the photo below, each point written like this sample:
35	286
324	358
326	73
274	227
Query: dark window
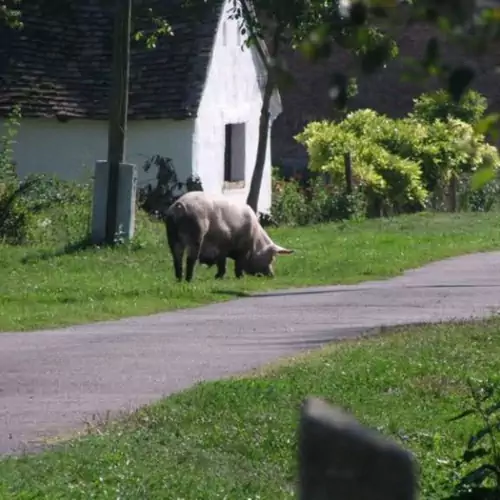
234	152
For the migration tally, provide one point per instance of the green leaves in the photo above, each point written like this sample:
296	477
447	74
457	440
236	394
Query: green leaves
388	178
487	124
482	177
401	161
160	28
10	13
8	173
482	452
438	105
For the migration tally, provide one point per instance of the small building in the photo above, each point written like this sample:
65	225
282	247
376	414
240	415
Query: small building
195	98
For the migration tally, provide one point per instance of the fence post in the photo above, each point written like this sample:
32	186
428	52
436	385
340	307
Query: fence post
453	193
348	172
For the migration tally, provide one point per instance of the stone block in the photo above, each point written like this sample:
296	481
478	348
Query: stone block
340	459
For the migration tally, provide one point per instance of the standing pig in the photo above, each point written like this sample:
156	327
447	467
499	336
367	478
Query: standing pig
212	228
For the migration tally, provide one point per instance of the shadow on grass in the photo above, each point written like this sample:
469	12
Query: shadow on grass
69	249
232	293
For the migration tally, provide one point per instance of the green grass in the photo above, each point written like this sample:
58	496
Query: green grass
236	438
39	289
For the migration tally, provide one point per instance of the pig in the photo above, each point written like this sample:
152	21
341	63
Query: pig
213	228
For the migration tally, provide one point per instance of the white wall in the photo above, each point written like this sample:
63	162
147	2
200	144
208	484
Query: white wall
231	95
70	149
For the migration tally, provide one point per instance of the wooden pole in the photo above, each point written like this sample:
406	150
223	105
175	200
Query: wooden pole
348	172
453	193
118	110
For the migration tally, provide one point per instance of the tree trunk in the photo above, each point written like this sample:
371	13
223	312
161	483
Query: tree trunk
453	192
348	173
260	159
118	110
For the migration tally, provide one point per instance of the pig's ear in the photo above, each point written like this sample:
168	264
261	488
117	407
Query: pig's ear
281	251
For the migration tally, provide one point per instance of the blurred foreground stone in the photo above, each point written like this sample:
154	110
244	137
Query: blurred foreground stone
340	459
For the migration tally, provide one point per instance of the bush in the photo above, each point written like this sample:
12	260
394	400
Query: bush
390	182
62	212
438	105
396	162
478	469
44	209
316	202
441	148
330	203
38	208
484	199
156	200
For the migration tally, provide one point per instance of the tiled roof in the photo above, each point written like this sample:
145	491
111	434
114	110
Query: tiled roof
59	64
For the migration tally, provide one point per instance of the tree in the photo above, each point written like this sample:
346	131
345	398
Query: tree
10	13
311	26
474	25
368	29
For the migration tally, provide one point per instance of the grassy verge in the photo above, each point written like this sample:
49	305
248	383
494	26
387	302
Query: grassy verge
40	287
236	438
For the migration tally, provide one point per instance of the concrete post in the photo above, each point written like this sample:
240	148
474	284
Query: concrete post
127	189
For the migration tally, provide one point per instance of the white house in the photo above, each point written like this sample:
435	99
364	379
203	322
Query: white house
195	98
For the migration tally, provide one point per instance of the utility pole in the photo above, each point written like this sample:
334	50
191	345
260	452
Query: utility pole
118	110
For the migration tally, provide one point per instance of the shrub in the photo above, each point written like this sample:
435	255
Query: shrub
39	208
484	199
390	182
156	200
479	467
441	148
61	212
289	205
396	162
316	202
8	173
438	105
330	203
44	209
452	148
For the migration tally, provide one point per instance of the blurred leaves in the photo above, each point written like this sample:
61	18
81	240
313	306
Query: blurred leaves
10	13
482	177
317	43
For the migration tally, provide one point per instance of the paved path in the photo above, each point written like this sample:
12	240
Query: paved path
52	381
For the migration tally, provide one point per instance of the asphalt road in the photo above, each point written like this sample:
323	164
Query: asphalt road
52	381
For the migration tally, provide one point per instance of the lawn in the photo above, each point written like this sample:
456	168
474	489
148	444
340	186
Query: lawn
236	439
41	287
